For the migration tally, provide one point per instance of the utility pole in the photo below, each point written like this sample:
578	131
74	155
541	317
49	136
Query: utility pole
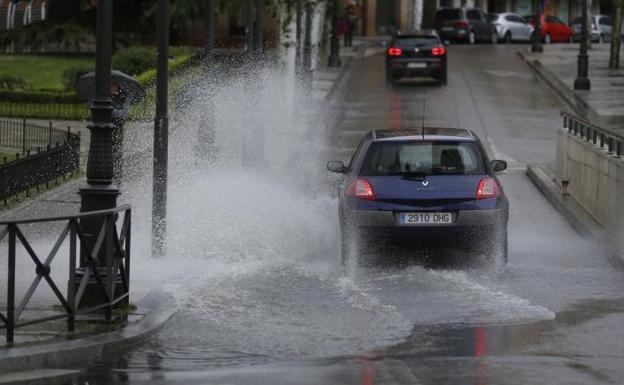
582	81
334	49
259	26
161	134
210	29
249	26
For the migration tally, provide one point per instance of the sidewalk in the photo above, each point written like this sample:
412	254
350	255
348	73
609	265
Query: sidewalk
39	346
557	65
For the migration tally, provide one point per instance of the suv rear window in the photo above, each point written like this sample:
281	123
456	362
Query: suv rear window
423	158
448	14
415	41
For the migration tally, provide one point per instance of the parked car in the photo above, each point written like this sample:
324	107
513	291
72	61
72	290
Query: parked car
419	53
469	25
429	187
552	28
601	27
511	27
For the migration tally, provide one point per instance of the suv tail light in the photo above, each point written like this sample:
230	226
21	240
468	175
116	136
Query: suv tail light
488	188
361	189
394	51
438	51
461	24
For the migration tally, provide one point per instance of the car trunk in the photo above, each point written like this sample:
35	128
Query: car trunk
433	190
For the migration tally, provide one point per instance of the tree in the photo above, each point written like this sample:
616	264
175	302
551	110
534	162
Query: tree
616	35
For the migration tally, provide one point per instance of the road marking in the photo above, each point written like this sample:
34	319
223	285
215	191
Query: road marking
32	375
508	74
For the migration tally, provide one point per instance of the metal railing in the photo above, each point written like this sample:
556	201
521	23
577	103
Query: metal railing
38	169
19	134
602	137
109	242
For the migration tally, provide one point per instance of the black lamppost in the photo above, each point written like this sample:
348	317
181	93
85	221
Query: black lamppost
161	134
536	44
99	193
582	81
334	50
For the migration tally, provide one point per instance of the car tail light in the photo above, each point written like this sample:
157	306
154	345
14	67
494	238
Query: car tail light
488	188
438	51
394	51
361	189
461	24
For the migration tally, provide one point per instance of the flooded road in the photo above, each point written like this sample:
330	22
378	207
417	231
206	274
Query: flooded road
253	256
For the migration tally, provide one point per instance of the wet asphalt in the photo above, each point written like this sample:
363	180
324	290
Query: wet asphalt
553	315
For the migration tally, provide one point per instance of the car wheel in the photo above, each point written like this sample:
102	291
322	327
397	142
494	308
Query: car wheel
472	38
547	39
508	38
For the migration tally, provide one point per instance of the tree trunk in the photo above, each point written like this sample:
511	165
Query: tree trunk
616	36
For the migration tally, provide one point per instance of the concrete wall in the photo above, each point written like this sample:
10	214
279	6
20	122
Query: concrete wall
595	180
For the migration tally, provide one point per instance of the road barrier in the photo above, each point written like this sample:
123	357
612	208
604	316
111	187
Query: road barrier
111	246
590	171
19	134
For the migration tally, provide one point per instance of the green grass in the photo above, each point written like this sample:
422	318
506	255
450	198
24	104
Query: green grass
10	157
42	72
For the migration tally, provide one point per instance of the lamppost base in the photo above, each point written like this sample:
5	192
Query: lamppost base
582	84
334	61
93	294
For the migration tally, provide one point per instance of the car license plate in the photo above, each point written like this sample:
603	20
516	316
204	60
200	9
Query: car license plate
425	218
447	28
416	65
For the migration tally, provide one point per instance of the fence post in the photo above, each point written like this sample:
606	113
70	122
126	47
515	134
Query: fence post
24	135
71	290
50	135
11	287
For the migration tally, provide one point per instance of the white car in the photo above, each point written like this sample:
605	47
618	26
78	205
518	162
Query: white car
511	27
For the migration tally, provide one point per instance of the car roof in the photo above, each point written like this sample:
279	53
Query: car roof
424	134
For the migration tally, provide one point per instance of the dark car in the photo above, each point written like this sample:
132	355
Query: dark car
469	25
415	54
431	186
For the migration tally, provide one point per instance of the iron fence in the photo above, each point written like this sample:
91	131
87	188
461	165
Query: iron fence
115	271
602	137
37	169
19	134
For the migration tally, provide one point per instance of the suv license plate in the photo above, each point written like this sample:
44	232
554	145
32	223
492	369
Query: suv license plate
425	218
416	65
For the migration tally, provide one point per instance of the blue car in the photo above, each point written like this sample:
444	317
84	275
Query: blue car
422	188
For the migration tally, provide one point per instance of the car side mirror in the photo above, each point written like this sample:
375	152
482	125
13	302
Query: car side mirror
498	165
336	166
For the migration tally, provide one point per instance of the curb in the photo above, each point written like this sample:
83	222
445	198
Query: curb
574	214
573	101
158	308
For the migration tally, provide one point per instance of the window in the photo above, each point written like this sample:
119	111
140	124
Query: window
423	158
416	41
473	14
605	21
448	14
510	18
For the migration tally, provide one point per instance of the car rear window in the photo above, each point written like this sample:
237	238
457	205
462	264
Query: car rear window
423	158
448	14
415	41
